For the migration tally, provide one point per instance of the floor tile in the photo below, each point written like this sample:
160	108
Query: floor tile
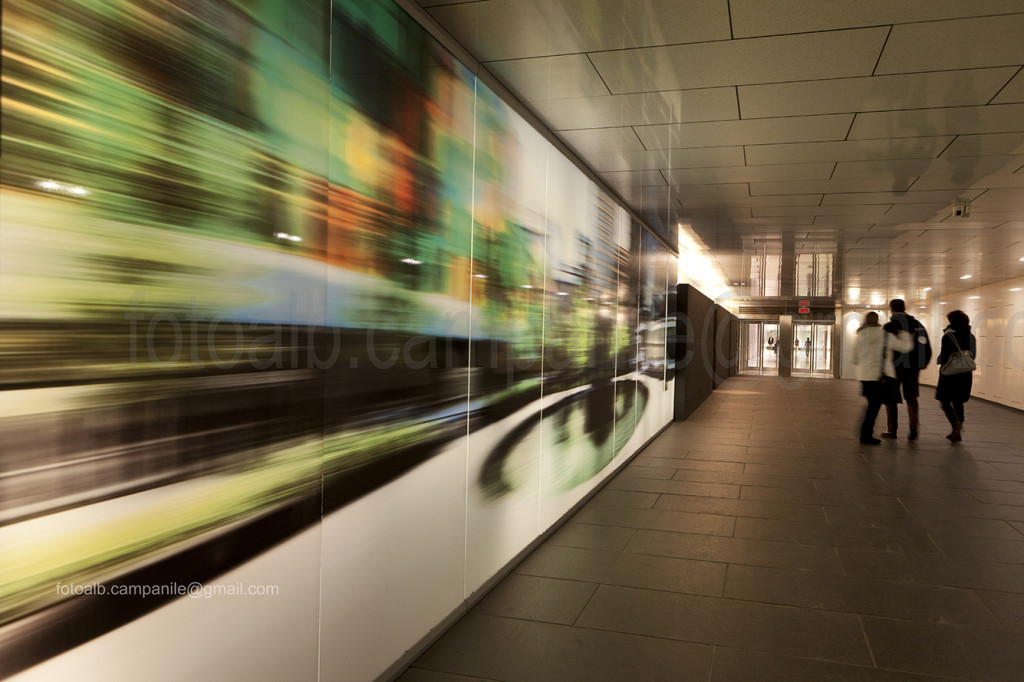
533	598
591	536
736	551
884	539
752	508
836	592
677	487
657	519
765	627
513	650
956	651
632	570
625	498
742	544
732	665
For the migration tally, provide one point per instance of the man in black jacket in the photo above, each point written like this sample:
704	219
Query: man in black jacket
908	366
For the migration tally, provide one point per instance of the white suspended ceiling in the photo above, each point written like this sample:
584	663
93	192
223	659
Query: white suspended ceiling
786	126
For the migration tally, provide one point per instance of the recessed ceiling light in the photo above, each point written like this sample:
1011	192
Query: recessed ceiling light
966	276
1021	259
974	297
926	289
923	307
942	302
1015	289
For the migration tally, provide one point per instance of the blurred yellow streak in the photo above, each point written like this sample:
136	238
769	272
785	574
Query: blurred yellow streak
38	90
7	54
12	104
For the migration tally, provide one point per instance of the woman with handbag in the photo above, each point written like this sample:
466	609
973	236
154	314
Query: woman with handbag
956	366
872	356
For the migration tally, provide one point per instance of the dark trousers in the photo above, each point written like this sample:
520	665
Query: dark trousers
892	415
910	388
954	411
872	391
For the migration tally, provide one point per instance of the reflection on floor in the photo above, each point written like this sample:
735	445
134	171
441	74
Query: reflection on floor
760	540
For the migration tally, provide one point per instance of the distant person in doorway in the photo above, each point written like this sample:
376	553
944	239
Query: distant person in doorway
955	389
807	348
908	366
872	356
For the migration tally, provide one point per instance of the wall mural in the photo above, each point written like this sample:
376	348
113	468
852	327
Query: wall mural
286	281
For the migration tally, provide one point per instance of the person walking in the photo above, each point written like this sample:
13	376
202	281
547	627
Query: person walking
872	356
954	390
908	366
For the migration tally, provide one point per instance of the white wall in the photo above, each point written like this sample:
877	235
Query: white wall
997	320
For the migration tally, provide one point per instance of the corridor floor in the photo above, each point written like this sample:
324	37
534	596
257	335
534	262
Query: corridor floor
759	540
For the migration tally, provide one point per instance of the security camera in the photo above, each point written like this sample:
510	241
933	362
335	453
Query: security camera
962	209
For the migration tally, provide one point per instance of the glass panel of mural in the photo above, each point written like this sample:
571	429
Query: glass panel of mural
291	303
578	421
398	345
508	297
631	396
163	234
651	329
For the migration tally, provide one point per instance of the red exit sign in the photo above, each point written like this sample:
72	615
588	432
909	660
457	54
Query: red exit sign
805	306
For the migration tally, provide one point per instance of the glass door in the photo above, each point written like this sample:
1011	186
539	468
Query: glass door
770	348
803	345
752	342
821	350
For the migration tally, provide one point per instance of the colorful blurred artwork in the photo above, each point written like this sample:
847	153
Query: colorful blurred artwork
259	260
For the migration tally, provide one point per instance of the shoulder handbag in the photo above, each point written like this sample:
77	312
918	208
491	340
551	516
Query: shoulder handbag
959	362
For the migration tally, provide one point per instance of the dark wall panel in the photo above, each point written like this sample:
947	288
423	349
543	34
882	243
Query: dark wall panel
695	326
734	327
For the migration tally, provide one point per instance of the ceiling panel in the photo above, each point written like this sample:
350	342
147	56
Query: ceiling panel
510	29
848	150
708	201
705	157
800	171
1007	235
961	44
836	54
872	211
639	178
905	213
708	104
644	196
962	166
602	140
726	133
1013	92
877	184
550	77
909	197
759	18
969	181
1006	194
1001	118
874	93
658	85
983	145
717	213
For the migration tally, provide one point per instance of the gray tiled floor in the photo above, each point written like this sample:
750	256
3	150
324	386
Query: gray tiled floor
759	540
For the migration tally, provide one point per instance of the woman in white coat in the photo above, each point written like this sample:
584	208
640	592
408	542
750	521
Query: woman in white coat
872	356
